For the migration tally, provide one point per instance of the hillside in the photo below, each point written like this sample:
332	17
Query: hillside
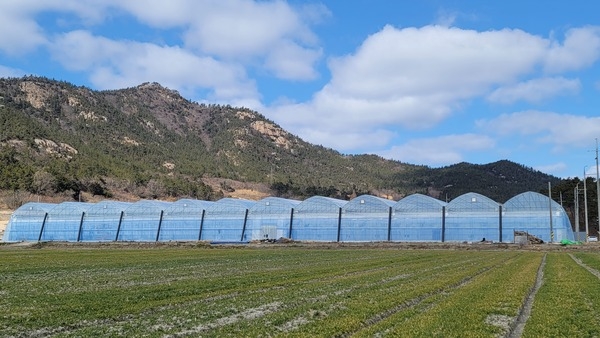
61	141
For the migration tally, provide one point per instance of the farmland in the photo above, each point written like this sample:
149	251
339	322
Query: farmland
180	291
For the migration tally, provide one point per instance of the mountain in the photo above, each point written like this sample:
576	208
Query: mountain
57	139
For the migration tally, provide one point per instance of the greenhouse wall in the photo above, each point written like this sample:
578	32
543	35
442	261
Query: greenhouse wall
141	221
530	212
102	220
470	217
270	218
317	219
417	218
183	220
225	220
64	222
27	222
366	218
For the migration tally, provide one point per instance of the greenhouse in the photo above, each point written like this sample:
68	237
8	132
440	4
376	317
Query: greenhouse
183	220
102	221
472	217
270	218
366	218
318	218
530	212
225	220
415	218
27	222
418	218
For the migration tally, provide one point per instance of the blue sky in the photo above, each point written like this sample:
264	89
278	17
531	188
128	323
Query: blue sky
424	82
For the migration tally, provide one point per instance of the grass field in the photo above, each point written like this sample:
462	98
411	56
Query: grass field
171	291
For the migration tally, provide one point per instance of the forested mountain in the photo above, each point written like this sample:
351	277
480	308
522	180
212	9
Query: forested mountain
57	139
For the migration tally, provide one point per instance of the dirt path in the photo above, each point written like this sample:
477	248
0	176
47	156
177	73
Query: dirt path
591	270
525	312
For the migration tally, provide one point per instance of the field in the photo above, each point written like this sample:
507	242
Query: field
296	291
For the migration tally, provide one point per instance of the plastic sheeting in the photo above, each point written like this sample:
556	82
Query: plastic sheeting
470	217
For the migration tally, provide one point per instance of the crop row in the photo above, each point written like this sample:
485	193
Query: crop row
173	292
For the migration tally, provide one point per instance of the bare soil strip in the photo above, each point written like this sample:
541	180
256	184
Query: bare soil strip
525	312
591	270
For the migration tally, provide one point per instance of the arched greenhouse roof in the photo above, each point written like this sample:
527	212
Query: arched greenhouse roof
368	203
230	204
188	206
34	209
530	201
143	207
472	202
273	205
319	204
70	208
108	208
418	203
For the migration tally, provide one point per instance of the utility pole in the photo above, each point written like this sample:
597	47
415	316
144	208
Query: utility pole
587	229
550	210
576	216
597	185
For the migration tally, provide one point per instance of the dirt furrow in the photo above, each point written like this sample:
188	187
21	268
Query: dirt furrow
519	324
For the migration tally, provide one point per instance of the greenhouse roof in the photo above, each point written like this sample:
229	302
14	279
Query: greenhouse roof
368	203
70	208
418	203
34	208
530	201
320	204
233	204
472	202
273	204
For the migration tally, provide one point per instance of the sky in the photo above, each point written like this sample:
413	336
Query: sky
428	82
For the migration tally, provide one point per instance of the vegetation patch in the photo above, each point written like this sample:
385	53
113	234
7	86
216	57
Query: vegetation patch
184	291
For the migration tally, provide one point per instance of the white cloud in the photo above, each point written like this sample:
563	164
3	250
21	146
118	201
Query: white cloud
552	168
118	64
10	72
415	78
19	34
561	130
271	34
293	62
441	150
580	49
535	91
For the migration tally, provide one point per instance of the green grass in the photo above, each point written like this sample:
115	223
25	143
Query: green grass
284	291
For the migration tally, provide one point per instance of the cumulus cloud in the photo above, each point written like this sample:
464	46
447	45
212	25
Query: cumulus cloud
118	64
272	32
535	91
441	150
11	72
560	130
416	78
581	48
19	34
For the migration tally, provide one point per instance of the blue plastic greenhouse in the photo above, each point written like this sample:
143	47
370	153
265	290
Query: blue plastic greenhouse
318	218
366	218
183	220
472	217
270	218
530	212
102	221
225	220
416	218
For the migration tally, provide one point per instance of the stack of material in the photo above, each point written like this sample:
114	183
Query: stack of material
527	238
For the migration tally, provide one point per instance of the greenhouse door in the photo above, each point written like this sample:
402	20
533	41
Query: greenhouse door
268	232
